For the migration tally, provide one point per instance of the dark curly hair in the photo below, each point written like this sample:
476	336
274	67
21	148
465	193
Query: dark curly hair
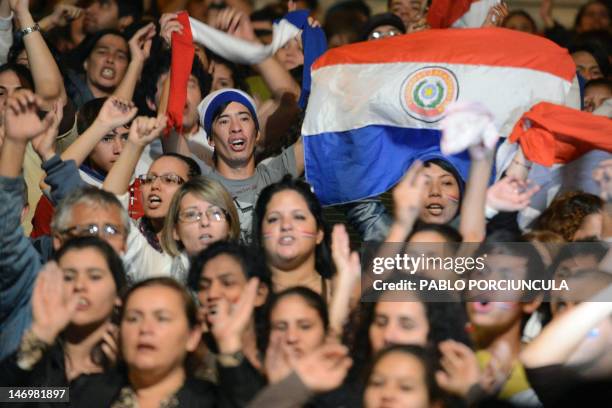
567	212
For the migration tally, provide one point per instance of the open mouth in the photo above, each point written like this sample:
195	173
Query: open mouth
154	201
205	238
286	240
108	73
82	304
435	209
237	145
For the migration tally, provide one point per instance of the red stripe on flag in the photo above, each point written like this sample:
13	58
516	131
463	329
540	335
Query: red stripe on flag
443	13
497	47
180	69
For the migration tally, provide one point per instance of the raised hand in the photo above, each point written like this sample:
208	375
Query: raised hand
497	372
63	14
496	16
21	119
468	126
169	24
140	43
419	25
510	194
236	23
348	270
144	130
110	343
546	13
460	370
324	369
230	321
347	262
116	112
408	195
276	362
44	144
20	6
52	306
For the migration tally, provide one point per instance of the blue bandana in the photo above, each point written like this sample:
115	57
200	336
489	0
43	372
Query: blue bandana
209	106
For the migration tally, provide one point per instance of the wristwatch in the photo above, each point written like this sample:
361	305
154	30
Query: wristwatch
230	359
30	29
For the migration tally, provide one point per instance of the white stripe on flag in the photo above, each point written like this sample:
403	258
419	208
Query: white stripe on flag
351	96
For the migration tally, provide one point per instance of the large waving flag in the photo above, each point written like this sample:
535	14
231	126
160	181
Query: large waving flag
376	106
459	13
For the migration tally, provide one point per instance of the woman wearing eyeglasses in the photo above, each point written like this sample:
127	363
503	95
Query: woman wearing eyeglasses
201	212
168	173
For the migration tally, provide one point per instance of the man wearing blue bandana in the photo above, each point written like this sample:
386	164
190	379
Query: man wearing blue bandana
229	118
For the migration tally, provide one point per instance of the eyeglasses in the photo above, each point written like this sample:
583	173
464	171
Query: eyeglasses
91	230
168	178
213	214
375	35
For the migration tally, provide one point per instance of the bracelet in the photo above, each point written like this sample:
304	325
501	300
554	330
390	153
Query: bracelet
230	359
29	30
31	350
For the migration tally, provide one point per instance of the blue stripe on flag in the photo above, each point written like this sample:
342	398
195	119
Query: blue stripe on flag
356	164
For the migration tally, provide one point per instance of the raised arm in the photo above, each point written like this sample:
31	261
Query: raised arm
471	126
19	261
276	77
61	16
348	269
6	30
142	132
561	337
407	203
298	149
48	80
114	113
140	49
473	221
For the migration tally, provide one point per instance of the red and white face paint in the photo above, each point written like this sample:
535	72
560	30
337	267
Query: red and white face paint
289	231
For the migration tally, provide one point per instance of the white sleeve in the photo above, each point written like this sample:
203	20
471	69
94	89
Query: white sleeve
6	37
141	260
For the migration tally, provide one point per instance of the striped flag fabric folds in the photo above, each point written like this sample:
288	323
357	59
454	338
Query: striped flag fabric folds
376	106
459	13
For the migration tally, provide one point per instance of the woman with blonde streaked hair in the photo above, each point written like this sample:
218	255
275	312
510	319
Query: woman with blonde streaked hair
201	212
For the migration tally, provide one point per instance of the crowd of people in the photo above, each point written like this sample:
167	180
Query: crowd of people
149	266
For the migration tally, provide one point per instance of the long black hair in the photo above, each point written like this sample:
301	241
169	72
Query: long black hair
447	320
252	265
323	262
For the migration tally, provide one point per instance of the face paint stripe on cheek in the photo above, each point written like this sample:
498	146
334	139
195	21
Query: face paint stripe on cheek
308	234
453	198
